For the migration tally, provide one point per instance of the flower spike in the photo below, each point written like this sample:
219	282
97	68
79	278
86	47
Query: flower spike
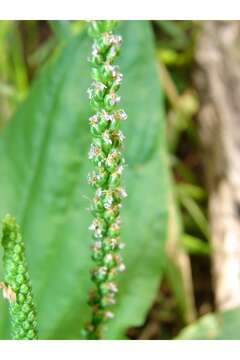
105	154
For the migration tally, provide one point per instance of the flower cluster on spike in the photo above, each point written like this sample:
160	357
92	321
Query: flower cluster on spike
16	286
105	154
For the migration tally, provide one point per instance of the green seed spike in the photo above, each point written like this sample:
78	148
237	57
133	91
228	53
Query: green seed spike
16	287
105	154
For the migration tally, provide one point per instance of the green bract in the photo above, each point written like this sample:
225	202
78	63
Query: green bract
17	287
105	153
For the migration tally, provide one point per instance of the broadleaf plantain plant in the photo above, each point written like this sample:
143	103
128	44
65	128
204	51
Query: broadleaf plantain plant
105	153
45	146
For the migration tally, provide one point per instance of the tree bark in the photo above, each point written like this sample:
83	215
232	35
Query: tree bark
218	81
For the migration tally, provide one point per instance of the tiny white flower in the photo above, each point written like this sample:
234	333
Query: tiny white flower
95	50
90	93
122	192
98	233
115	226
112	52
107	38
109	315
113	98
114	154
116	40
109	67
119	170
98	244
121	267
99	192
107	205
94	151
93	225
108	201
113	242
112	287
120	115
120	135
102	270
110	158
93	120
106	137
105	115
95	228
109	258
115	71
92	178
118	221
118	78
99	86
111	299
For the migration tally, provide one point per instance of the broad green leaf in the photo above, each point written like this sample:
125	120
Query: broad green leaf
44	166
217	326
65	29
61	28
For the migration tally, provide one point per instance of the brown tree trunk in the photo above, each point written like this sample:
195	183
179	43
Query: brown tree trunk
218	81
